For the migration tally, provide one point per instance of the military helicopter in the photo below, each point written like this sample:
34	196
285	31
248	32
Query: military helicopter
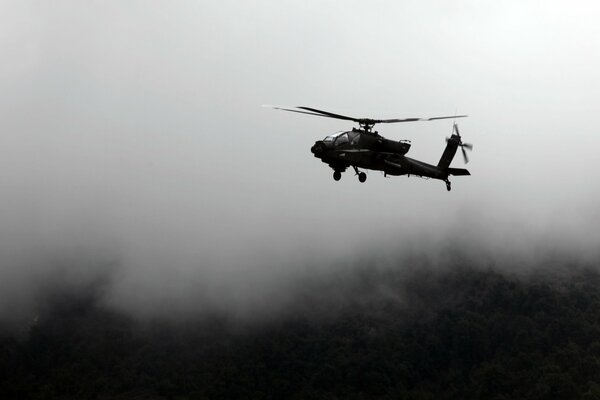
364	148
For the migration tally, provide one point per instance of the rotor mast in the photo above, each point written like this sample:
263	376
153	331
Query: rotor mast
367	125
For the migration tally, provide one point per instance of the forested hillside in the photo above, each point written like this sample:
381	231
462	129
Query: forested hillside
462	333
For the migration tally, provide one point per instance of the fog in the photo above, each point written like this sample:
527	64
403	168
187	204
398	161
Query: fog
135	151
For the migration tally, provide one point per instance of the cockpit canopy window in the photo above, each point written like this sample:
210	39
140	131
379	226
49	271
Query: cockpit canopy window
331	138
339	138
353	135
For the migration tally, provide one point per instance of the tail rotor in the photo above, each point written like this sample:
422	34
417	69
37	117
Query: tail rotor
463	146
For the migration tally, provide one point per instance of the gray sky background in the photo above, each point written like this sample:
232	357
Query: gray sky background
133	132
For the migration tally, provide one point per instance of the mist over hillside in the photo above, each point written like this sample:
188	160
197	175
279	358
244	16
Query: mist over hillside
267	287
459	331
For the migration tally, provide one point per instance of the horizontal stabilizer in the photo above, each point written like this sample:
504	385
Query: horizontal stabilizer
458	171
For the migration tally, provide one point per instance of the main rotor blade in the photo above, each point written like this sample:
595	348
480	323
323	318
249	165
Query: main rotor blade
314	111
296	111
330	114
388	121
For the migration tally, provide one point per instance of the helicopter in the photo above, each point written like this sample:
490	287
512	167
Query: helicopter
365	148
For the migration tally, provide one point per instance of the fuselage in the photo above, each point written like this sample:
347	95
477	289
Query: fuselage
369	150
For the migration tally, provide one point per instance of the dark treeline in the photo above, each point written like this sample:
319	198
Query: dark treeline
466	333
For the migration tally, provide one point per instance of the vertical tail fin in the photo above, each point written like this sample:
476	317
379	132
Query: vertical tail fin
452	144
449	152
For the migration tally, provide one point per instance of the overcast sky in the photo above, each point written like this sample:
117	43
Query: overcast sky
132	132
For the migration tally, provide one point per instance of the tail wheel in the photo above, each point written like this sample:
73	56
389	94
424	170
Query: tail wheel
448	186
337	175
362	177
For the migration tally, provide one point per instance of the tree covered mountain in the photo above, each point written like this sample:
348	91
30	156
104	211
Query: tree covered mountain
458	333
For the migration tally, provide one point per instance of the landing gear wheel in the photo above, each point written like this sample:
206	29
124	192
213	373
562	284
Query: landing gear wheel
337	175
448	186
362	177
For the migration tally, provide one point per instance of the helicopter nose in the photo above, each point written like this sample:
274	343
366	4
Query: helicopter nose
317	148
